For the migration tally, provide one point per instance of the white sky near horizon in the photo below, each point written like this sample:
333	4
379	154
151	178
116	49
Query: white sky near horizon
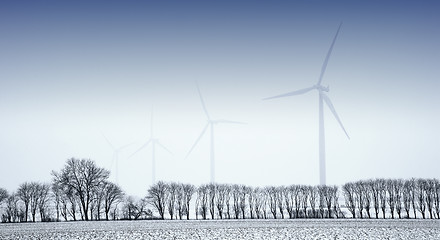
69	71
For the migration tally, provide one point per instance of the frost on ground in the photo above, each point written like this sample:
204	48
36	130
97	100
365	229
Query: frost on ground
227	229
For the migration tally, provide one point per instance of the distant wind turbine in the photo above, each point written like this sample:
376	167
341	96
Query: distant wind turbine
115	156
322	98
209	124
154	141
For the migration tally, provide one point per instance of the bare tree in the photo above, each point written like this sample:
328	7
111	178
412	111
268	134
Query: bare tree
313	194
212	190
197	204
188	191
296	190
72	201
128	208
374	190
429	193
390	187
304	198
84	177
259	200
382	186
251	194
12	209
202	194
272	200
56	195
136	209
180	204
157	197
288	199
228	190
329	200
242	204
3	194
398	192
280	201
360	197
321	192
43	191
236	200
349	196
112	196
367	197
407	193
335	197
24	193
220	199
421	196
34	199
413	185
171	199
34	196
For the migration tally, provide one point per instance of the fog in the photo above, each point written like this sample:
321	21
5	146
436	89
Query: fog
72	71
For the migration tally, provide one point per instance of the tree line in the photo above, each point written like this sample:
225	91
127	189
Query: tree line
82	191
396	196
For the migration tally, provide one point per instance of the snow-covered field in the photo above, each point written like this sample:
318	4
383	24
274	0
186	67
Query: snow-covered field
227	229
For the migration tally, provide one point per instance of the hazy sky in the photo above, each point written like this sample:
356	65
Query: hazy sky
70	70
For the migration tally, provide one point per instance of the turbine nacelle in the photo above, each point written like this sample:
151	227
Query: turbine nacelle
321	88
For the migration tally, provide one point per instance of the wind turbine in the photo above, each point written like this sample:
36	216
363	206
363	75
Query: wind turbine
209	124
115	157
322	98
154	141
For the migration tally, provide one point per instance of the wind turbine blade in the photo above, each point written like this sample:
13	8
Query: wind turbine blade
229	121
332	108
162	146
198	139
203	102
106	139
324	65
294	93
143	146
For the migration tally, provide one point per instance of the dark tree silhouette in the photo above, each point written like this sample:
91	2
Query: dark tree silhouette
421	196
407	194
220	199
212	190
375	191
304	198
113	194
83	178
188	191
157	197
349	195
24	193
202	195
272	200
398	191
12	209
236	192
171	199
3	194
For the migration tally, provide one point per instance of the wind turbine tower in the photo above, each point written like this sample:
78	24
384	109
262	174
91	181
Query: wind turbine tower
323	98
115	159
209	124
154	141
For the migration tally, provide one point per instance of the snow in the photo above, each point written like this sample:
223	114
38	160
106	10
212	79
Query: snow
228	229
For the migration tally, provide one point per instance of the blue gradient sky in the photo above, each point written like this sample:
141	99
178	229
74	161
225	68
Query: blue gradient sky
69	70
